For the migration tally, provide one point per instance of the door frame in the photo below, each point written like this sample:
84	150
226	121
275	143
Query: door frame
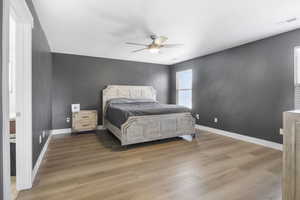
25	23
296	78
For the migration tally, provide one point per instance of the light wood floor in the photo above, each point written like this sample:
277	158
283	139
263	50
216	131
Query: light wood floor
212	167
13	188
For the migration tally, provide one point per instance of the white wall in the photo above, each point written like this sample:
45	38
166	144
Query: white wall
12	76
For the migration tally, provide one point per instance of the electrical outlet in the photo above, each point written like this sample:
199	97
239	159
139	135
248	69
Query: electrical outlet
197	116
68	119
216	120
40	139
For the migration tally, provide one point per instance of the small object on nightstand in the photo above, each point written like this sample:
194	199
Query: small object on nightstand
75	108
84	120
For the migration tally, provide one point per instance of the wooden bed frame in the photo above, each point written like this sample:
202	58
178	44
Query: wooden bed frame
139	129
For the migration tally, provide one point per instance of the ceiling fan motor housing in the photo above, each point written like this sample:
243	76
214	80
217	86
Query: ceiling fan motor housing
153	37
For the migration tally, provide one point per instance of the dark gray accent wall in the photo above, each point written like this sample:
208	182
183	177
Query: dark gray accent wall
80	79
41	84
247	87
1	143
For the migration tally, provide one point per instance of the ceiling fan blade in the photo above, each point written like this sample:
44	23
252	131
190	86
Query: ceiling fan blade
137	44
160	40
172	45
139	50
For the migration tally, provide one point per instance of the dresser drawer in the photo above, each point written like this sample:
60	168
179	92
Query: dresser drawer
291	157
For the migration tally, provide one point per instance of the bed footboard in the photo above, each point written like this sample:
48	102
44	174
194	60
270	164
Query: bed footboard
139	129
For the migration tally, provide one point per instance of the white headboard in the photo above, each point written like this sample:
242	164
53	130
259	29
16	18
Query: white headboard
127	91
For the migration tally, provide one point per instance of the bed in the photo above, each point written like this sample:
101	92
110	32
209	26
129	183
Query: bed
133	115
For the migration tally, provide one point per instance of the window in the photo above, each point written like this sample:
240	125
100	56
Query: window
297	66
297	78
184	84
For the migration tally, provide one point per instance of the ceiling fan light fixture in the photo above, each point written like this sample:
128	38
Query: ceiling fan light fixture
155	46
154	50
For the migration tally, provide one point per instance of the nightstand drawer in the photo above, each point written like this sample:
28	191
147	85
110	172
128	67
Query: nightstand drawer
84	120
89	115
80	126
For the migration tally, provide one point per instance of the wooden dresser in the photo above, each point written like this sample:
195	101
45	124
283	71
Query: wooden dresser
291	155
84	120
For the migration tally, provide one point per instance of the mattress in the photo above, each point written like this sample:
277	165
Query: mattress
119	110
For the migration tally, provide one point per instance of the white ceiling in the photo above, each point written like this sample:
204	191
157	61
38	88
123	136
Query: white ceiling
100	28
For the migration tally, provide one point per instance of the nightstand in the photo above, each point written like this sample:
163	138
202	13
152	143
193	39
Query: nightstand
84	120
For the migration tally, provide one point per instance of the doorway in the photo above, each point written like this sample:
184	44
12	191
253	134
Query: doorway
12	104
17	97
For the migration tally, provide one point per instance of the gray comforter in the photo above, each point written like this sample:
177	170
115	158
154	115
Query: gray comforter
119	110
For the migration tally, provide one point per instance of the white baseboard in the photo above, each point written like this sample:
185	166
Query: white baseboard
237	136
40	159
61	131
69	130
101	127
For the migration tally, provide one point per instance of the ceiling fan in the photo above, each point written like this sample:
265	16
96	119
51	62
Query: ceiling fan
156	44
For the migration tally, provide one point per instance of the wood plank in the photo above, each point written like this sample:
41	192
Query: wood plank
94	166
